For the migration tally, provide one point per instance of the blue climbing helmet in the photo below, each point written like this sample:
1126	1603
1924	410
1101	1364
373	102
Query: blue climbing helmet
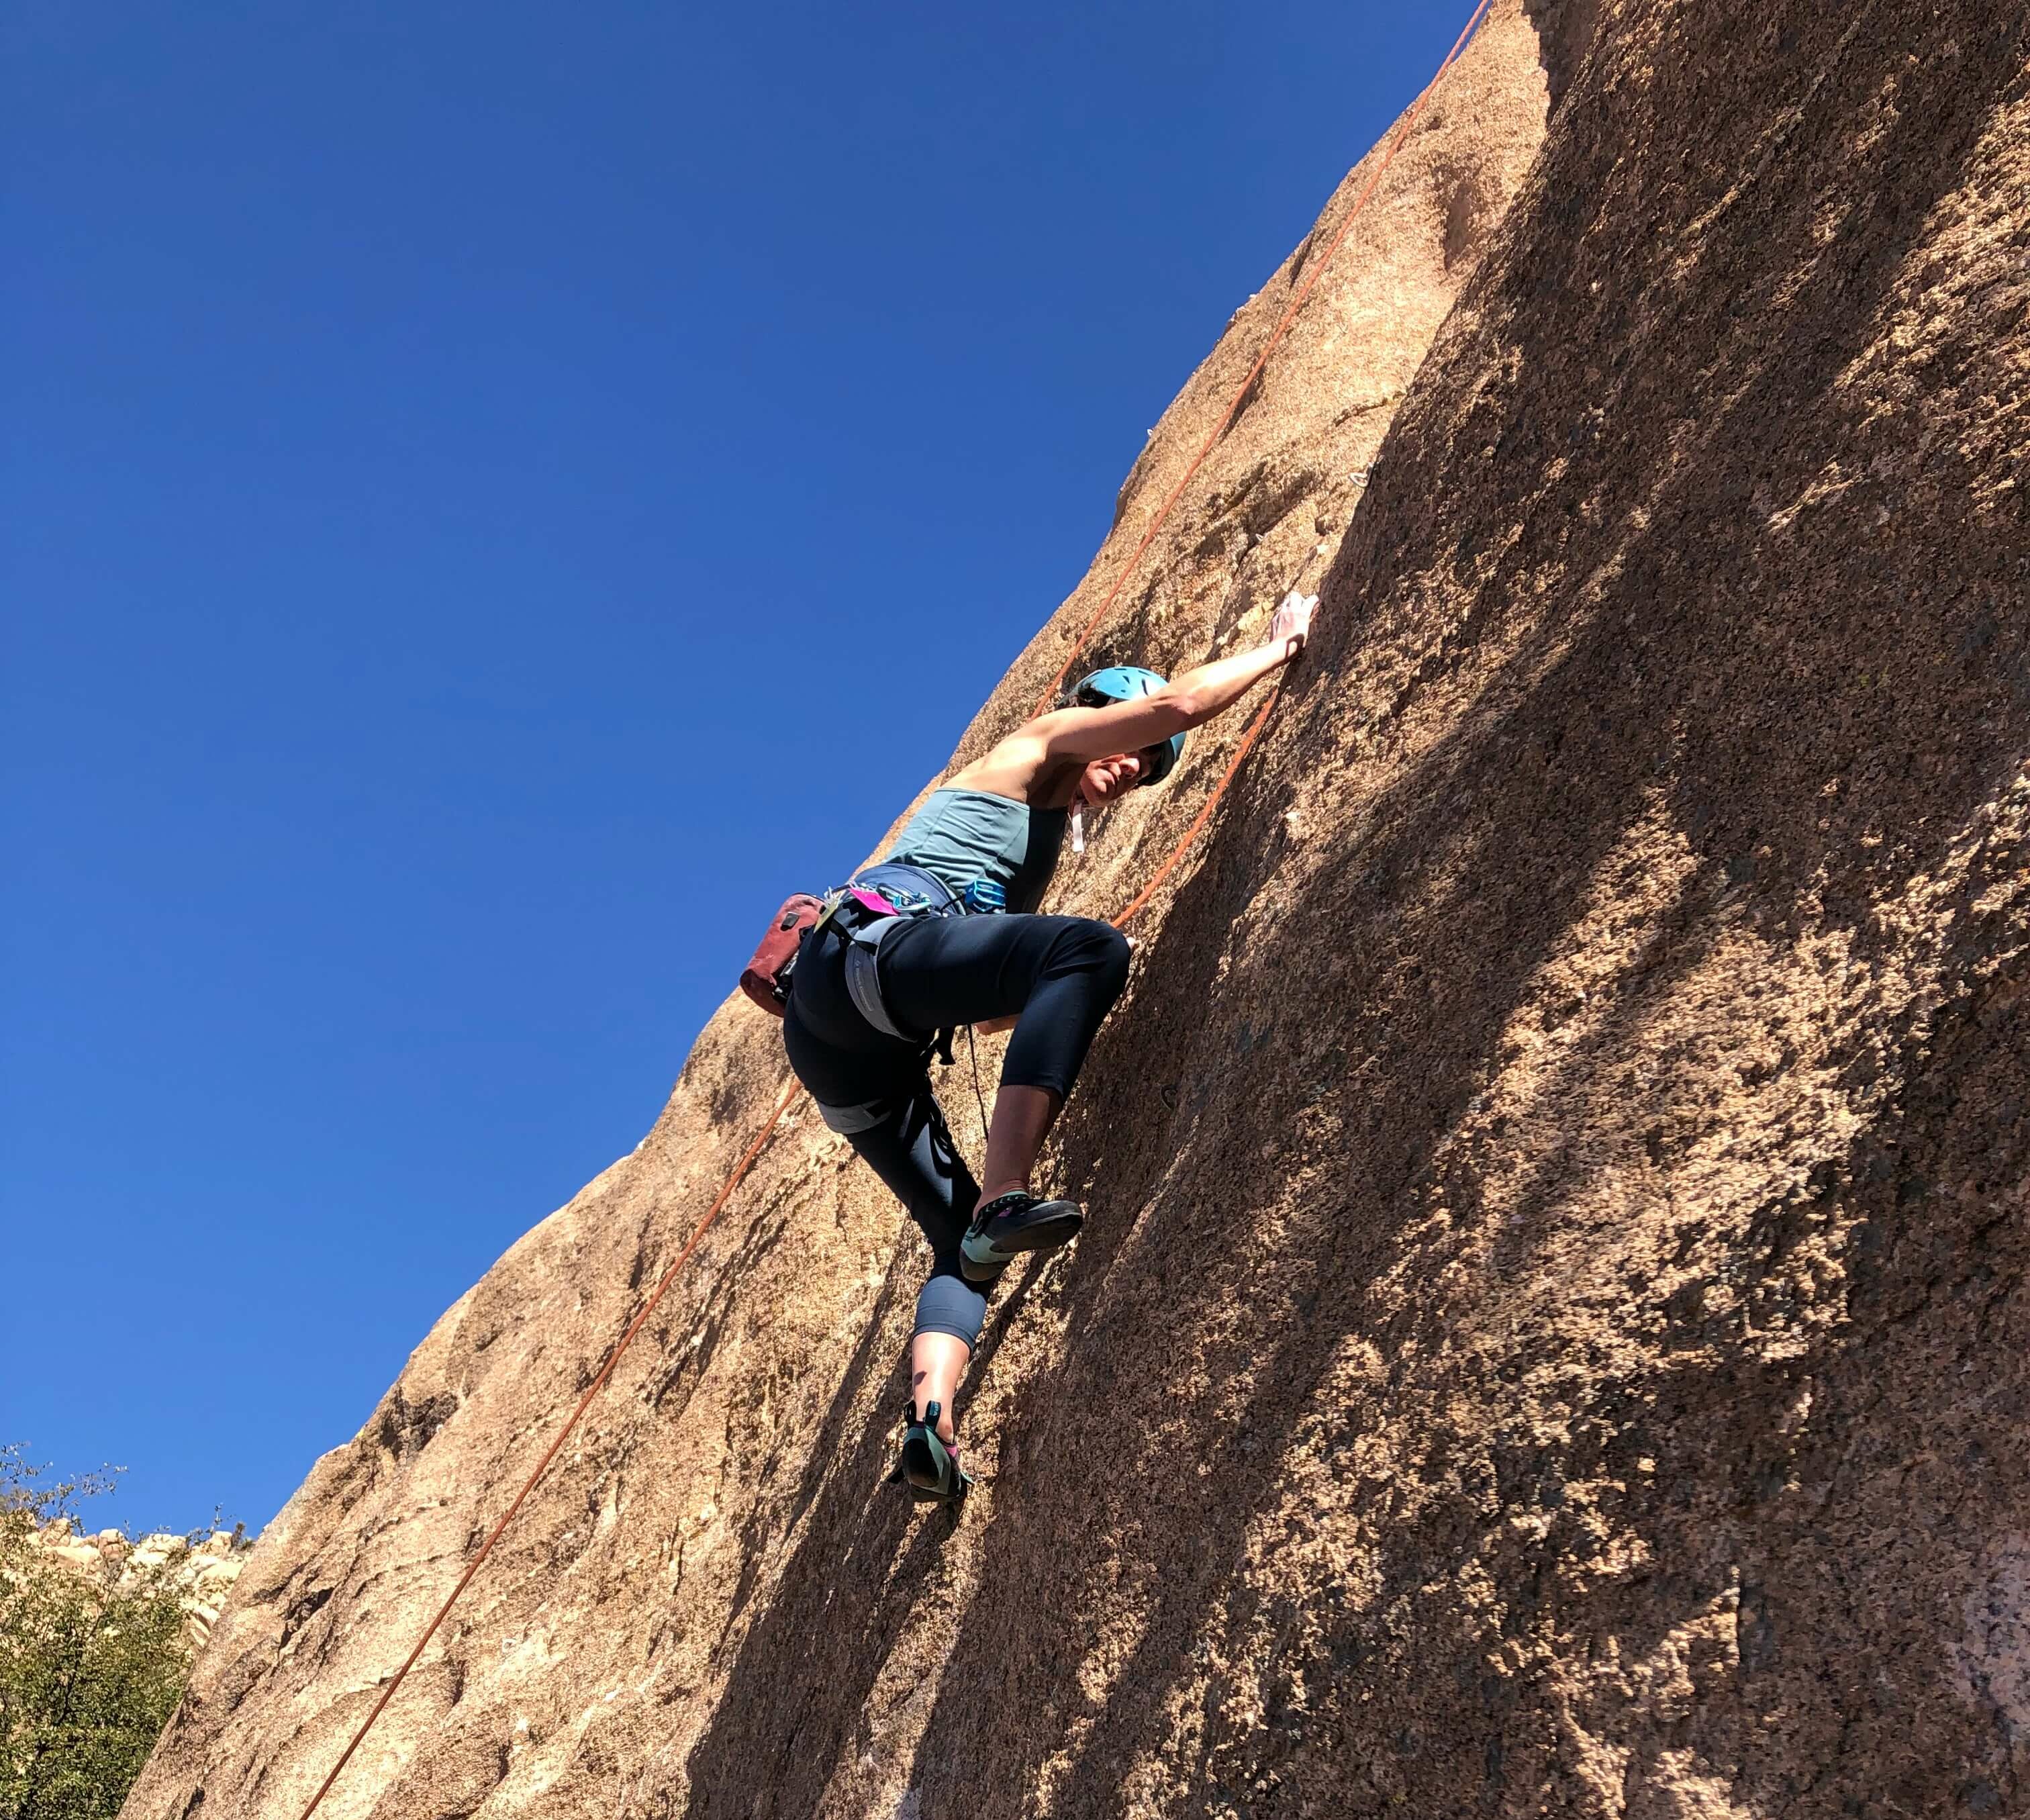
1124	682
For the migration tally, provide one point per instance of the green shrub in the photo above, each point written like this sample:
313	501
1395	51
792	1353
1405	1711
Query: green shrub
90	1671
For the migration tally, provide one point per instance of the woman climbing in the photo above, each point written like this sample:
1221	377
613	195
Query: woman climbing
869	991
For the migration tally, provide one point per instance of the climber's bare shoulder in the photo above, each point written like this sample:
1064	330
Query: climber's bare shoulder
1031	764
1011	767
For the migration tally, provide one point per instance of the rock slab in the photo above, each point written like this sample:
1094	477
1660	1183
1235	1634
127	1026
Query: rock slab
1550	1335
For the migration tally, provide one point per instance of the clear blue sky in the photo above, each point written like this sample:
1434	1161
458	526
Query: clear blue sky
464	468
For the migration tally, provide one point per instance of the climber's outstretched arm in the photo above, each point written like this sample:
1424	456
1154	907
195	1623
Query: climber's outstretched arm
1186	702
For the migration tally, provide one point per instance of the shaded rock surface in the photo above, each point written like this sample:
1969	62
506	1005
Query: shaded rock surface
1551	1334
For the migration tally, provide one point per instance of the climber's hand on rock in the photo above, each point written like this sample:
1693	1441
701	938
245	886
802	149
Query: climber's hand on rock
1292	623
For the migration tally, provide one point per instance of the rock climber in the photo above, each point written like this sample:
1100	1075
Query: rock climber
989	837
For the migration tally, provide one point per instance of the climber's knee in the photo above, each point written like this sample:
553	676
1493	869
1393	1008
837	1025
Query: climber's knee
1113	962
948	1303
1088	946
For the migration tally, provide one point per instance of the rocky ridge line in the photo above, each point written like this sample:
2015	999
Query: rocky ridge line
201	1570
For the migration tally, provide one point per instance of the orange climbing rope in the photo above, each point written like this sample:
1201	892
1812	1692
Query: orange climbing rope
791	1092
564	1434
1211	802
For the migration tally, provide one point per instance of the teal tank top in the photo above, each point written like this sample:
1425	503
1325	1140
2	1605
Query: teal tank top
963	834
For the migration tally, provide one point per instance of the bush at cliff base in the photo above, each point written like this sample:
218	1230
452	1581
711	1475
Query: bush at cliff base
89	1672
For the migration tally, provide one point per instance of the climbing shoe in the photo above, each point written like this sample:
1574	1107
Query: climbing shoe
928	1466
1010	1224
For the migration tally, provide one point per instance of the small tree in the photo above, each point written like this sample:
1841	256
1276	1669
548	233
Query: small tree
90	1668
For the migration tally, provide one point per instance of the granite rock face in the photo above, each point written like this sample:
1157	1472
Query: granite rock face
1551	1333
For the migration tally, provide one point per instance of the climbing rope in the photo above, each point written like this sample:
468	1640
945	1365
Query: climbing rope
1205	813
564	1434
793	1091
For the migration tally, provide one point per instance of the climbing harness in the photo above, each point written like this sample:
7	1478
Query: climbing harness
878	902
790	1092
866	909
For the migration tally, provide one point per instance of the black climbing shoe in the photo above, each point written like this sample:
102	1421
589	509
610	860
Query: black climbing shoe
1010	1224
928	1466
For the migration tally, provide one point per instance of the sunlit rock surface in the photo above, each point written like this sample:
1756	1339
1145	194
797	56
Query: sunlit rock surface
1551	1333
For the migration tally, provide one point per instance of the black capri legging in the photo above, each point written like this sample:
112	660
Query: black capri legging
1059	976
